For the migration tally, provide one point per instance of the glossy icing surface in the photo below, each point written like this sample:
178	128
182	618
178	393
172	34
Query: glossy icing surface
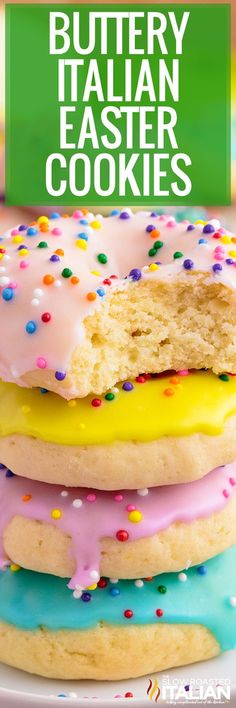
65	267
88	516
170	405
207	597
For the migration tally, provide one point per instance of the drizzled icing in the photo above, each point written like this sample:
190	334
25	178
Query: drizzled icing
200	402
56	272
88	516
32	600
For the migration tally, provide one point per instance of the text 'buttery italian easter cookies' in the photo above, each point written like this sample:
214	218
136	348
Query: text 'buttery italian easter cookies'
142	433
119	630
87	301
86	534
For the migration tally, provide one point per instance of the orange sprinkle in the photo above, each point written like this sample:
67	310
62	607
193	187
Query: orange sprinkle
148	580
33	223
48	279
168	392
155	233
74	280
44	228
174	380
84	211
27	497
233	239
65	216
91	296
59	252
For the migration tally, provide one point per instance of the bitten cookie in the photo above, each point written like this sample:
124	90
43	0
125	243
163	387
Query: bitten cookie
88	301
84	534
148	432
119	630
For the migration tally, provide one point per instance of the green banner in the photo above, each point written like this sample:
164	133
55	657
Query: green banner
118	104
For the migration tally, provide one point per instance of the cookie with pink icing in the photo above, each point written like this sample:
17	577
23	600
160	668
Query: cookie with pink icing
86	301
125	534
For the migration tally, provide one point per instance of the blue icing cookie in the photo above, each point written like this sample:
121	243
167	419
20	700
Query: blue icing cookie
29	600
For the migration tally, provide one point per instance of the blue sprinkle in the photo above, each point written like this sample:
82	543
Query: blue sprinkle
101	292
115	212
83	236
84	222
114	592
9	473
30	327
7	294
31	231
202	569
44	390
54	215
202	240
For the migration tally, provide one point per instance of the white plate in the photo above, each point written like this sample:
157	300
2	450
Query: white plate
18	689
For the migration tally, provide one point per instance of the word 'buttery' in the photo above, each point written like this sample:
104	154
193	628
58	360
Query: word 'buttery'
116	32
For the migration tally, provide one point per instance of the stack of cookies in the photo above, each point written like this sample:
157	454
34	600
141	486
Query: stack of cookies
117	444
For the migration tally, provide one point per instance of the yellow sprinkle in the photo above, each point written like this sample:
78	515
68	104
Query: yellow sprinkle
25	409
135	516
232	254
23	252
17	239
95	272
1	256
72	403
199	221
92	587
14	567
43	220
95	224
81	243
56	514
225	239
153	266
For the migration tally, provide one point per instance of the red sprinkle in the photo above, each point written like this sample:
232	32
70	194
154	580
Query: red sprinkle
128	614
217	235
122	535
129	694
46	317
96	402
107	281
159	612
102	583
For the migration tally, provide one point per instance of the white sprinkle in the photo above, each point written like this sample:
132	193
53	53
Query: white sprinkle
2	269
64	494
115	389
215	223
139	583
94	575
35	302
38	292
128	211
57	283
77	594
6	257
145	269
71	694
113	580
4	280
142	492
77	503
14	372
182	577
233	601
79	587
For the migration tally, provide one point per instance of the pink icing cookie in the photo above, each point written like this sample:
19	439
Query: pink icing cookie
88	516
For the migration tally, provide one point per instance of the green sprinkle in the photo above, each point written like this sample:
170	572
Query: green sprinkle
42	244
162	589
66	272
152	252
224	377
177	254
158	244
102	258
109	396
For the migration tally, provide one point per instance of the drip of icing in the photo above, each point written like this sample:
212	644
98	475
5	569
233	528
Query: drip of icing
65	272
30	600
87	517
199	402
